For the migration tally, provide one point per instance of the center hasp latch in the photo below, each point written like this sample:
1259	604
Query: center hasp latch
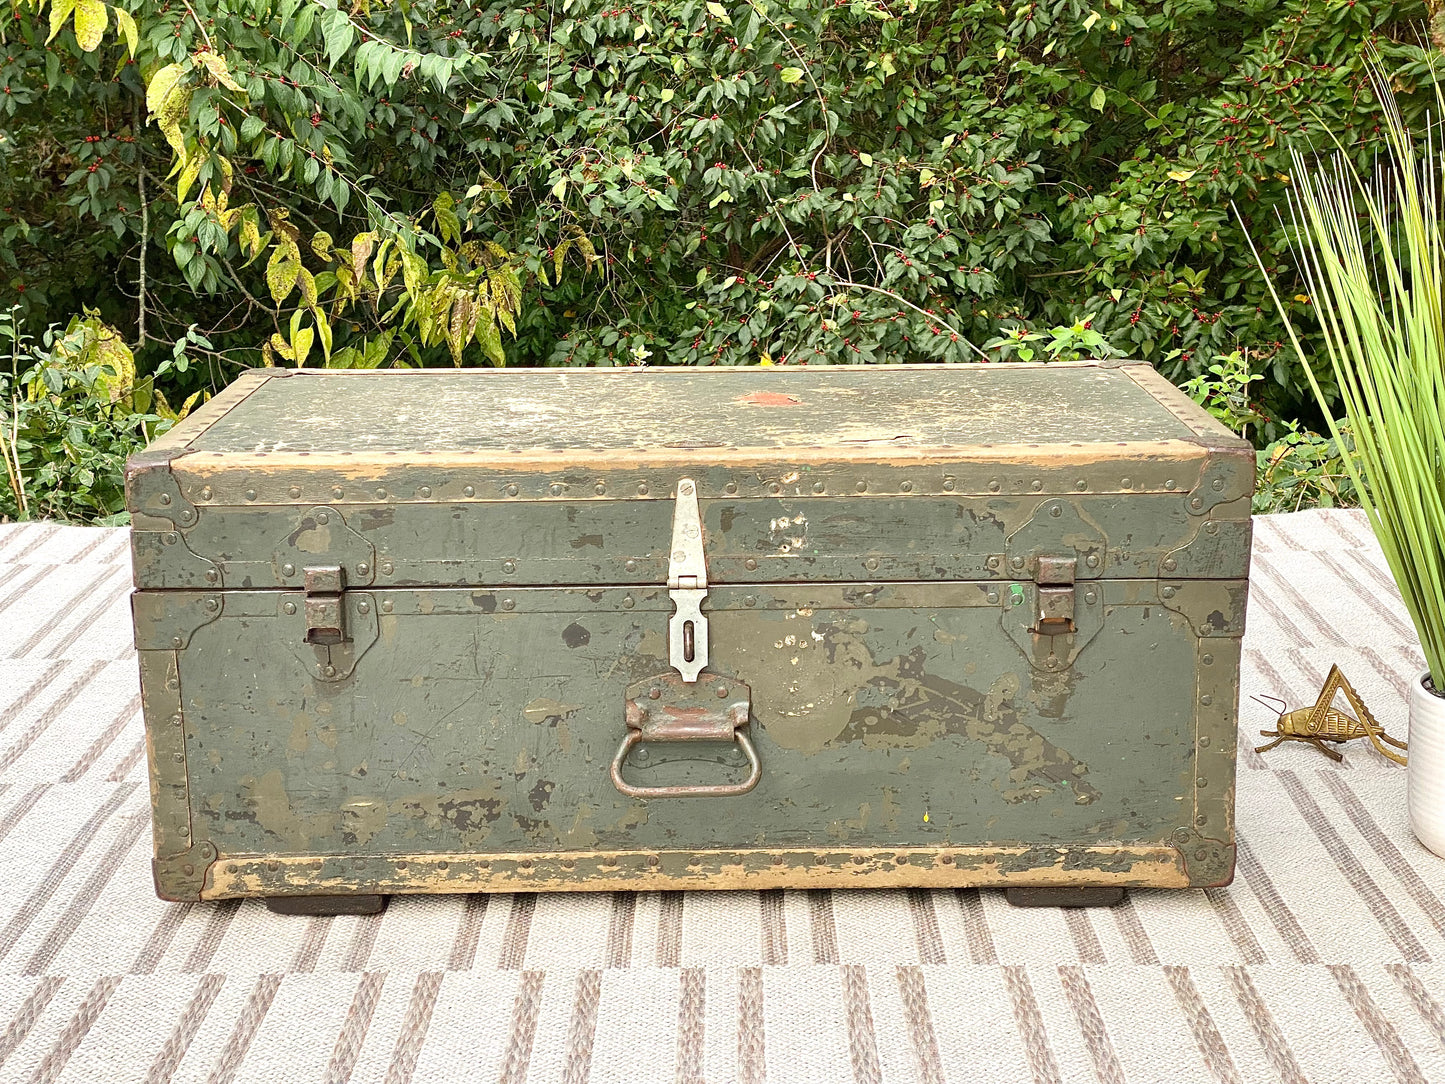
687	585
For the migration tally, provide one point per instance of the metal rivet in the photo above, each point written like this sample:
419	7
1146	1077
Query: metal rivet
1056	511
858	859
907	487
820	859
171	538
212	576
510	490
1053	662
653	860
722	691
508	604
363	568
948	485
750	565
627	602
525	863
1092	560
1206	700
631	566
654	694
642	489
992	562
775	488
1201	820
323	517
1125	483
186	515
1196	502
290	607
947	860
902	860
1170	564
364	607
1018	562
294	491
206	493
424	491
1169	483
1211	527
509	566
380	494
165	498
212	605
189	869
1081	484
1168	592
871	564
288	570
1217	484
685	489
386	567
750	601
330	671
993	596
387	607
993	486
861	487
1180	835
1204	741
679	556
250	494
1207	660
1201	782
1090	597
337	492
731	487
818	487
556	489
600	488
443	865
1036	485
469	491
1205	630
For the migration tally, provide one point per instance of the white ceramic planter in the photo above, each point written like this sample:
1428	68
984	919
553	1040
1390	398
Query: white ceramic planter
1425	778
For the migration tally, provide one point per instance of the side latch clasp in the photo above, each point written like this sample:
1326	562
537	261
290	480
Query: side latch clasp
325	621
1055	580
687	585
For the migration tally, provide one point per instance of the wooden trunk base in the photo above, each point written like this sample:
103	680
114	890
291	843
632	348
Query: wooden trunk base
325	905
1064	897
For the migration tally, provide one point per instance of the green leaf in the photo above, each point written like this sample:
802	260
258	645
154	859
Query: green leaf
791	75
560	188
1097	99
337	33
865	158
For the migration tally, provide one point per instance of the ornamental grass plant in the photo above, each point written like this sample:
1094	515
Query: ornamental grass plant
1372	253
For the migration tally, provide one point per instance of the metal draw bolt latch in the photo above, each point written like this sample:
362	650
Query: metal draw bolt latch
1055	579
687	586
325	624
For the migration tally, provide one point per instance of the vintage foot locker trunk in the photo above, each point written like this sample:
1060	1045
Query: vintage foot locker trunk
456	631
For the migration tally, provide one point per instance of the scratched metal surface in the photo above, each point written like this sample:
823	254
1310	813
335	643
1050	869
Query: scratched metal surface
1322	962
604	410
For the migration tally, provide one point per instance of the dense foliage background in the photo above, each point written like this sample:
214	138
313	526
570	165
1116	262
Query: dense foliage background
216	184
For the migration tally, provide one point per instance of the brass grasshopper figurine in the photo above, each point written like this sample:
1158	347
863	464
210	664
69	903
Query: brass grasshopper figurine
1322	723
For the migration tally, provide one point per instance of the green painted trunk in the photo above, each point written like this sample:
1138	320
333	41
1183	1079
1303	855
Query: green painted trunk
409	631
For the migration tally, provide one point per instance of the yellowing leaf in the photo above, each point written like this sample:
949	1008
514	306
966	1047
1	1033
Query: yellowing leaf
126	25
220	71
667	94
301	344
91	19
1097	99
1091	20
717	11
639	31
791	75
162	83
1181	174
865	158
187	178
1303	299
281	272
560	189
59	11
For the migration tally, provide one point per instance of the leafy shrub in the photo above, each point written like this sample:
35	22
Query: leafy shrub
70	414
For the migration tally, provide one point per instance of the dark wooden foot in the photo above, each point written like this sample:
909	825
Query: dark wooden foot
1064	897
325	905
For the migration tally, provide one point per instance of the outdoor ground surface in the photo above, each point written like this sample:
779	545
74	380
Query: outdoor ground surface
1324	961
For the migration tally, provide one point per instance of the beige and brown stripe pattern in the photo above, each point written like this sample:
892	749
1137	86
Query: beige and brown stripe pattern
1328	951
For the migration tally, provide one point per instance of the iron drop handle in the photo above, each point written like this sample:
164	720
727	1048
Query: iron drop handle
667	708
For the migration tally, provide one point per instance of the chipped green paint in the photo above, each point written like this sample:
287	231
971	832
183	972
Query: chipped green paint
876	593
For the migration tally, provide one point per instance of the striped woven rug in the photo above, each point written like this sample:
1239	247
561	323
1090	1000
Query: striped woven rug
1324	961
